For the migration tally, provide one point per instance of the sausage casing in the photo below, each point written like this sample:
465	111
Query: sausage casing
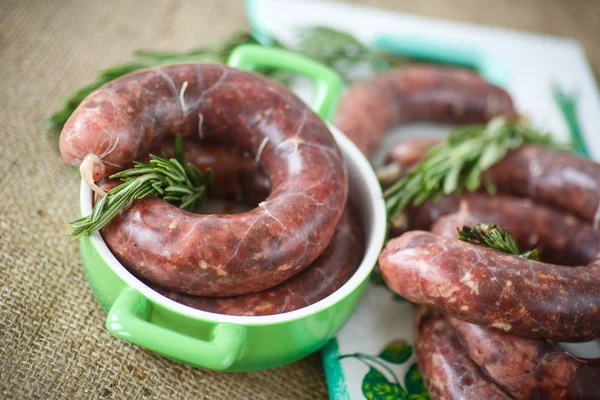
494	289
416	93
446	369
560	237
323	277
556	178
529	368
215	255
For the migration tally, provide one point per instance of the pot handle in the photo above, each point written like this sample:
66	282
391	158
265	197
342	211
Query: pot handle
128	319
328	82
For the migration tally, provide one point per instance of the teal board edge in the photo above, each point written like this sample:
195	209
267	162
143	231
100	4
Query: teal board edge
336	382
445	52
259	33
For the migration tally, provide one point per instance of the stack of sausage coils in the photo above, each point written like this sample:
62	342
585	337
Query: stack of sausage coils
488	322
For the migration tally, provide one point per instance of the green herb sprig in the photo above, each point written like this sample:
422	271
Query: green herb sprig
494	237
351	58
173	180
339	50
146	59
460	162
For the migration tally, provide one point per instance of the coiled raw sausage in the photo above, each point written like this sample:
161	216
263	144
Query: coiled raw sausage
323	277
556	178
416	93
529	368
214	255
494	289
525	368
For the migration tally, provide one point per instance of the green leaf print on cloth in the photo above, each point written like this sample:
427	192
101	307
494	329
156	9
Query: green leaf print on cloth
417	397
375	384
414	383
397	352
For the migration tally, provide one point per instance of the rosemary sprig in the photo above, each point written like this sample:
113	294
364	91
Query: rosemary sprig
209	54
339	50
460	162
495	237
173	179
351	58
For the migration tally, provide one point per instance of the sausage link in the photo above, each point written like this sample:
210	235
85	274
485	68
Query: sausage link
525	368
215	255
529	368
446	369
447	225
559	237
403	156
493	289
560	179
416	93
556	178
411	150
323	277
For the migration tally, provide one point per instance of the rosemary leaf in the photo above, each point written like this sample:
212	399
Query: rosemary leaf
494	237
352	59
473	180
459	162
451	180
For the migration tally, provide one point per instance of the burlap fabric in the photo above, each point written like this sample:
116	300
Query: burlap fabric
53	344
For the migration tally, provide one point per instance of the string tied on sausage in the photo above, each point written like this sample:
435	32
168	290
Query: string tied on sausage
173	179
91	169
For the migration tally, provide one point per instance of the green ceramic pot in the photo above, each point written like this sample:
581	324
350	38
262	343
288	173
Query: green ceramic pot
142	316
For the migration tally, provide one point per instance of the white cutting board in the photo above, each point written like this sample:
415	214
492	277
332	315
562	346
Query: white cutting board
526	65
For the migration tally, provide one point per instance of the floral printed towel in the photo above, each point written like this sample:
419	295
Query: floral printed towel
372	356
